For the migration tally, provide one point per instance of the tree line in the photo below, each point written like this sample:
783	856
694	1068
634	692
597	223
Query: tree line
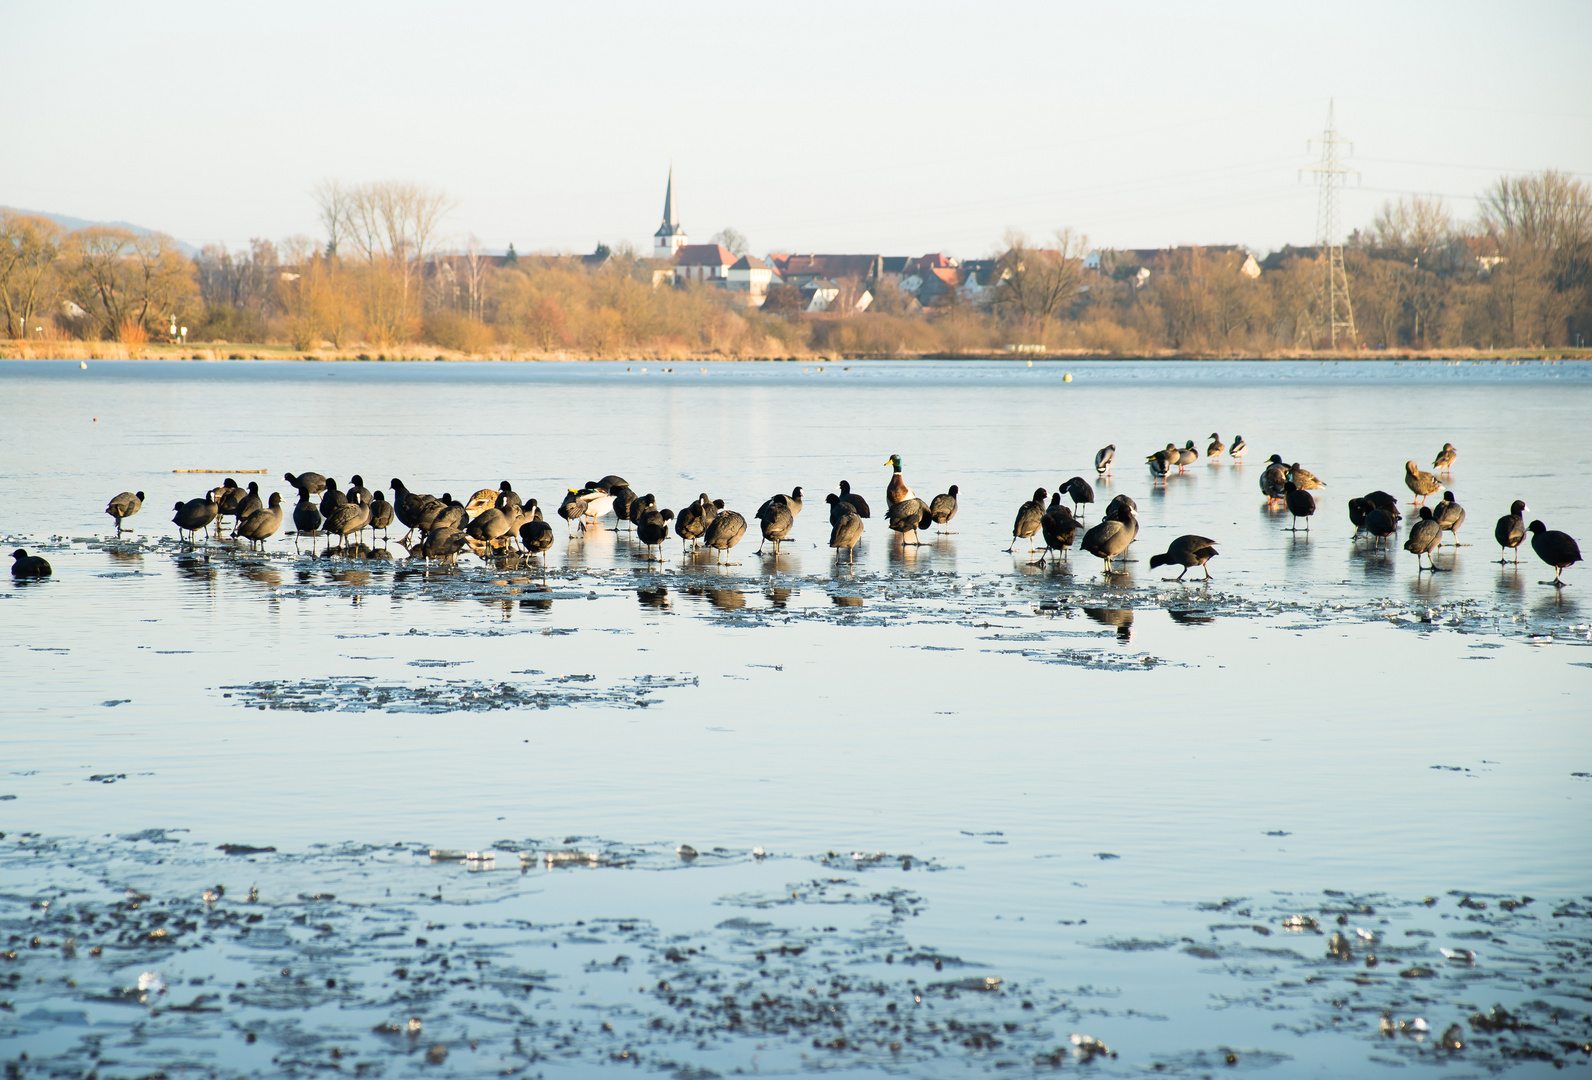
1519	275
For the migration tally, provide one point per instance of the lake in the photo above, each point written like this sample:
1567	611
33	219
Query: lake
942	812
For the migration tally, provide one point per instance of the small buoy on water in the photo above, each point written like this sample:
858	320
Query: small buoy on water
82	365
1067	377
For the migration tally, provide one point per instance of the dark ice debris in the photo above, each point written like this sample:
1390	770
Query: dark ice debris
99	929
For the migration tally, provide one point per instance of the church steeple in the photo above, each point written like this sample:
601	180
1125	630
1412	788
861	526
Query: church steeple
670	237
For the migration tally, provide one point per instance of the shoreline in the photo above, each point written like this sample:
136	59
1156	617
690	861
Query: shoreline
214	351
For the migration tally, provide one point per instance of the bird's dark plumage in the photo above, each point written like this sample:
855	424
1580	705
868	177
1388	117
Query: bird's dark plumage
1186	551
1510	532
1555	548
24	565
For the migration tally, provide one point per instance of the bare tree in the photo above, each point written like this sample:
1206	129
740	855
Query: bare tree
1547	211
1413	228
1038	285
127	283
29	248
733	241
389	229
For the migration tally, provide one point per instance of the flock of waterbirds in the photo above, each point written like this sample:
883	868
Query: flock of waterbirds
498	523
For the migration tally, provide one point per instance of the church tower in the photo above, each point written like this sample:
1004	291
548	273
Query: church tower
670	237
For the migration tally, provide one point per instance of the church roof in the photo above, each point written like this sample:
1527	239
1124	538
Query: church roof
703	255
671	223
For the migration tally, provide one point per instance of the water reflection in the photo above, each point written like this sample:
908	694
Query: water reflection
779	597
1121	618
261	574
1190	618
846	601
654	597
727	599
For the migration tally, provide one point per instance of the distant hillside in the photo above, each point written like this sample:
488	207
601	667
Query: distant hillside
66	221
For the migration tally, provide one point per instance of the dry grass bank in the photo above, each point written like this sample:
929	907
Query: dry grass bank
415	353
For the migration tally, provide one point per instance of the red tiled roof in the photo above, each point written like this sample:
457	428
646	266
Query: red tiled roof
703	255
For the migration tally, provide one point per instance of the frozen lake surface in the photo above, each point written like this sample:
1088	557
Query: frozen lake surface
1237	825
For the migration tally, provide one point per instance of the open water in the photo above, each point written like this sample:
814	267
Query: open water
1300	820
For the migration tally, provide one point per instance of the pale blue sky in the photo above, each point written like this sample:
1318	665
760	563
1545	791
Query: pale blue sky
899	128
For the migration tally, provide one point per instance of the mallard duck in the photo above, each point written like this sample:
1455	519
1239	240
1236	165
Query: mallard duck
1304	479
1555	548
1160	464
897	491
24	565
1449	516
1444	461
1423	538
262	524
124	506
1103	459
908	516
594	500
1187	455
1421	483
1026	524
943	507
1274	480
1215	449
1510	532
569	510
1186	551
1237	449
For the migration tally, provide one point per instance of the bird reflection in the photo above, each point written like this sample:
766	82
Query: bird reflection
847	601
653	598
778	597
262	574
727	599
1190	618
1121	618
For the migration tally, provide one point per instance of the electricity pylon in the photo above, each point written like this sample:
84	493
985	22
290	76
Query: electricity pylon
1337	312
